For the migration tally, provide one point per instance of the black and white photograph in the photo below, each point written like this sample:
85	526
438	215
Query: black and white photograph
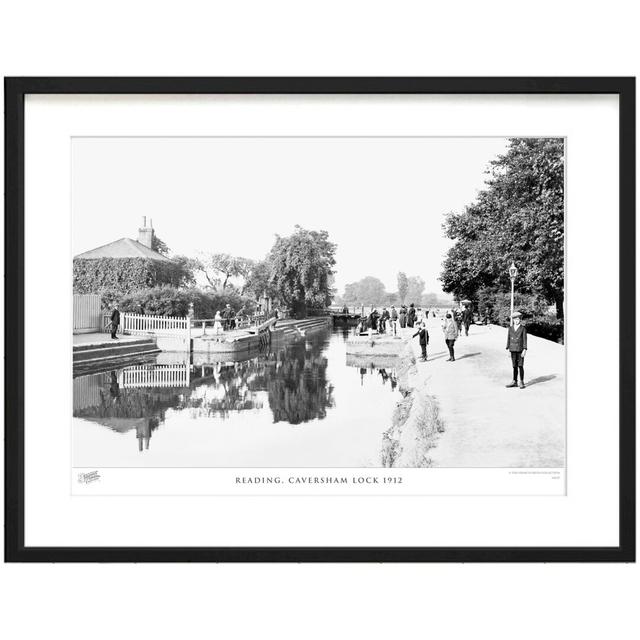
318	302
304	325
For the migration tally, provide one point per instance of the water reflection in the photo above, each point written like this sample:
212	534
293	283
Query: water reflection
294	378
386	375
293	384
104	398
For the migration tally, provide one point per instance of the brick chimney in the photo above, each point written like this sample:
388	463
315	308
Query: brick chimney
145	233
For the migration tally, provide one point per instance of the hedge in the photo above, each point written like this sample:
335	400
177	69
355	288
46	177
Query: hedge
548	329
171	301
495	306
206	303
157	301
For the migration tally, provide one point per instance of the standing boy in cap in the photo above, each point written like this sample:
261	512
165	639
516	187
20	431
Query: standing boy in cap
517	345
424	339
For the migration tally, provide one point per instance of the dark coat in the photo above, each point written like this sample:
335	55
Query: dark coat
424	336
517	339
115	317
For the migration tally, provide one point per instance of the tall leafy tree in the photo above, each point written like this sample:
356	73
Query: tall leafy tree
258	281
415	287
185	267
403	286
369	290
519	217
301	269
217	268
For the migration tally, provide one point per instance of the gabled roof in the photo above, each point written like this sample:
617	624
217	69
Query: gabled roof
123	248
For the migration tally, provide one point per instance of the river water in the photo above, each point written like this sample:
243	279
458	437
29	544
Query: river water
300	404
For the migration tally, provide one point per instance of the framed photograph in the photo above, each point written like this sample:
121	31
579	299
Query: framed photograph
320	319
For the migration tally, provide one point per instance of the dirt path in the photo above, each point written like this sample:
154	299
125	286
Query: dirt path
486	424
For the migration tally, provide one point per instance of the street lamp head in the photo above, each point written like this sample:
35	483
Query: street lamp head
513	272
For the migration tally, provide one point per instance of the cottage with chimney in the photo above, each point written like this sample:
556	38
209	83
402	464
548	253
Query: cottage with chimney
123	266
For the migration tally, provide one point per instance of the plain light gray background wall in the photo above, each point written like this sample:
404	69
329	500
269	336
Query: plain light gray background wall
319	38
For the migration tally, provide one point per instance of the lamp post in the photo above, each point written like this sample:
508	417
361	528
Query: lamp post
513	272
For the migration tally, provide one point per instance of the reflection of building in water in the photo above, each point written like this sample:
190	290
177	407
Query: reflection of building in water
123	401
143	432
293	381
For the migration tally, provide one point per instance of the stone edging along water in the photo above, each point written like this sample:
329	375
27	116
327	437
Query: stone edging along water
416	423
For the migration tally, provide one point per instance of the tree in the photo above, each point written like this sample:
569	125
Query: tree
368	291
185	268
258	282
415	287
217	268
430	300
403	286
159	246
301	269
519	217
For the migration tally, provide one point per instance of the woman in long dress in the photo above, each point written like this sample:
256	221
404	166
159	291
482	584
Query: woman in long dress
217	323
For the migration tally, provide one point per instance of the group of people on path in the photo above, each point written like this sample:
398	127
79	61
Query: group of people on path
389	320
450	331
451	328
226	320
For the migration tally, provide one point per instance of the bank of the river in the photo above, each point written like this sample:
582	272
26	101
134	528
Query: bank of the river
459	414
416	423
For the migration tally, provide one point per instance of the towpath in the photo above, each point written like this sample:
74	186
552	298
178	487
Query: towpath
486	424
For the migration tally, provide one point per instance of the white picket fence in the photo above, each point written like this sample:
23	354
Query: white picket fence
134	323
155	375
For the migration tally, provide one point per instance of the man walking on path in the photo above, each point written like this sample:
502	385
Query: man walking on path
394	320
467	317
373	320
517	345
411	315
383	320
424	339
403	316
115	321
450	330
457	316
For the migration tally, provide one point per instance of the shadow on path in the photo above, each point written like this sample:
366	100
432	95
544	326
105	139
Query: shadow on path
468	355
540	379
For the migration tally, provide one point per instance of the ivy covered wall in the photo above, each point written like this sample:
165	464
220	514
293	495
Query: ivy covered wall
117	277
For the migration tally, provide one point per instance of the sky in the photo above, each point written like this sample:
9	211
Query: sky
382	200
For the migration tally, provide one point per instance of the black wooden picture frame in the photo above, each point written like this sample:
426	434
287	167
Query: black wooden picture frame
15	91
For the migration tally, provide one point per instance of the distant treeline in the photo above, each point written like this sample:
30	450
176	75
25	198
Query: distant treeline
371	291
